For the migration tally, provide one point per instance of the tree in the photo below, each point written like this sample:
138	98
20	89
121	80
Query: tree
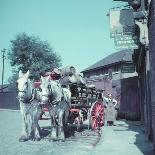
12	81
30	53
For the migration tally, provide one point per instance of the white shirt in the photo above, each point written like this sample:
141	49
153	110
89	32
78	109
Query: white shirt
109	99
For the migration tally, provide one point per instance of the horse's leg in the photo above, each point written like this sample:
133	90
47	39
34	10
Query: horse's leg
38	117
23	110
35	126
61	134
53	134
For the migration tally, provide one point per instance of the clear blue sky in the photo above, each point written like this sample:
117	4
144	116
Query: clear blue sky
78	30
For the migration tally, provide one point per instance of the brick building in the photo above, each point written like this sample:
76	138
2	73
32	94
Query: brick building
116	74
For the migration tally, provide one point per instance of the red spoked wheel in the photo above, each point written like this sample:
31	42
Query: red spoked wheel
97	115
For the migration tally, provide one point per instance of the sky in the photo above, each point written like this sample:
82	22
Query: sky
78	30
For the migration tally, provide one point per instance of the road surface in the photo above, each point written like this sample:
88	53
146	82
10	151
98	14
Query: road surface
126	138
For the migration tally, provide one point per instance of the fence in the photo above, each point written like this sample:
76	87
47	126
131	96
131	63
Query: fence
8	100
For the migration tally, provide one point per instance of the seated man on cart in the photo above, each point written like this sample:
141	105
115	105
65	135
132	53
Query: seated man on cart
55	74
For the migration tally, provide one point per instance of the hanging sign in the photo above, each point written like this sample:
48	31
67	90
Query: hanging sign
122	29
126	42
128	68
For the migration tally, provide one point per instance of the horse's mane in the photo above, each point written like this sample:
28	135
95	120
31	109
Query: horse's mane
56	91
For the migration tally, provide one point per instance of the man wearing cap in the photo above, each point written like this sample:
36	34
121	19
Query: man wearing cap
55	74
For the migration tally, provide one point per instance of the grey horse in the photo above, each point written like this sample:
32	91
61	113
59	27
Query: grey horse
29	108
57	100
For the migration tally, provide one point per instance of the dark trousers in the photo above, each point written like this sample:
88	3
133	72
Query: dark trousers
110	123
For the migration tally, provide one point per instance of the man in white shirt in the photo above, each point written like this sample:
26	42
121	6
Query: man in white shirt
110	113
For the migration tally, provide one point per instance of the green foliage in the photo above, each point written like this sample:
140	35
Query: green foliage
12	81
30	53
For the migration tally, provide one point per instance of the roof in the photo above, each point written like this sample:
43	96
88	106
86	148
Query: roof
121	56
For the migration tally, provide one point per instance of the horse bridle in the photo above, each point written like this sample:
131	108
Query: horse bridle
49	96
22	91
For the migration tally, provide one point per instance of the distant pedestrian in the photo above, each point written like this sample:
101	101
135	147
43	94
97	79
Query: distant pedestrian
99	95
110	113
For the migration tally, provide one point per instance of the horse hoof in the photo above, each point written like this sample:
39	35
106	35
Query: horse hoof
79	128
53	135
61	136
37	139
53	138
23	138
61	140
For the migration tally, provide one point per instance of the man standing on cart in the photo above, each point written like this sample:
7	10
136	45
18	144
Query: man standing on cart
110	113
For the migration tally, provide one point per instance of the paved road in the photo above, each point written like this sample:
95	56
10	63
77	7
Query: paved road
80	143
126	138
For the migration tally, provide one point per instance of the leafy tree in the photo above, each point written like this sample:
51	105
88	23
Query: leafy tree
30	53
12	81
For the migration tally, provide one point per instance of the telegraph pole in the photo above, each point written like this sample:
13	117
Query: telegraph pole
3	57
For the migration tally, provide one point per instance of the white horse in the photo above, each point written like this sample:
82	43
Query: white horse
29	107
58	101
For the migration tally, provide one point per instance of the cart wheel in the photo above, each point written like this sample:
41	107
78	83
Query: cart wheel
97	115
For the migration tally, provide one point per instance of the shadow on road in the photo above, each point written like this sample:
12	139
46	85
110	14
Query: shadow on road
141	139
69	130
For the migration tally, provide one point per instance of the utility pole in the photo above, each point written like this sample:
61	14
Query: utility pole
3	57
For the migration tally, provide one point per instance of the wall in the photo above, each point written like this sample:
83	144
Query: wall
105	85
8	100
127	95
119	75
152	64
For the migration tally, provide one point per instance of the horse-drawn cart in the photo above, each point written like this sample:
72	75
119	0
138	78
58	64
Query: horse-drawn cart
86	107
67	99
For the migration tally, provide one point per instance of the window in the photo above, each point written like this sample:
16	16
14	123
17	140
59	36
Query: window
128	68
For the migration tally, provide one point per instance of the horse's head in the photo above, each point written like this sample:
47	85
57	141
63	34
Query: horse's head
24	86
46	89
51	91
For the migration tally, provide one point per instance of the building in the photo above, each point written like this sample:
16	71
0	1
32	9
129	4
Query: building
151	80
144	59
116	74
119	63
8	98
